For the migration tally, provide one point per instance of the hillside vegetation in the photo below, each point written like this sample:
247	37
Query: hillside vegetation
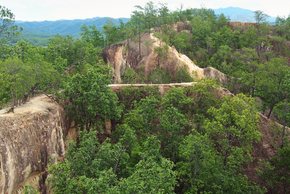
192	139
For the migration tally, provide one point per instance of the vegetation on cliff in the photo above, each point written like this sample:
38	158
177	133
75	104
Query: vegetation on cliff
192	140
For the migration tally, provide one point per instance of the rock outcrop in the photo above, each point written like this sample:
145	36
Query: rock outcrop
29	138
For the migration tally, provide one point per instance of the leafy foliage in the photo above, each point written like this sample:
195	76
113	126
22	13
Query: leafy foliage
159	76
275	172
129	76
90	98
235	126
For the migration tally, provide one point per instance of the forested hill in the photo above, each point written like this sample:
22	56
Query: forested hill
65	27
38	32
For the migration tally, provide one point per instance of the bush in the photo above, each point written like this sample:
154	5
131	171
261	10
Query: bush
160	76
182	75
129	76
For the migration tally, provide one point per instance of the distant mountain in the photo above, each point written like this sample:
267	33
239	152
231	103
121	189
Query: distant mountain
240	14
39	32
72	27
64	27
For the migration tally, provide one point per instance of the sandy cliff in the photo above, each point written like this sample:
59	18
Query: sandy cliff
126	55
28	139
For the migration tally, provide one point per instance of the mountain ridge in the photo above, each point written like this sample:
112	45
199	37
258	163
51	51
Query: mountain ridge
38	32
240	14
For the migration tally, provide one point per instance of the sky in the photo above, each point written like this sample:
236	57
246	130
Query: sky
40	10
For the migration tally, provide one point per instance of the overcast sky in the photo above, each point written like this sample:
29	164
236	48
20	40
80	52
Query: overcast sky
39	10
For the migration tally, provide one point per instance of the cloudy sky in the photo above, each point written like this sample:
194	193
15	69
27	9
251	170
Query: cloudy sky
39	10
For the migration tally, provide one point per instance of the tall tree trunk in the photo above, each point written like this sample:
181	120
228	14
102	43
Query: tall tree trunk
275	95
272	106
139	39
284	120
225	159
13	105
158	60
253	88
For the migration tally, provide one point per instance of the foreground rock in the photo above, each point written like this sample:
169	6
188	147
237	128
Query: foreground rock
29	137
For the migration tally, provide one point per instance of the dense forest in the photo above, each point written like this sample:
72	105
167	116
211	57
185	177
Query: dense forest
191	140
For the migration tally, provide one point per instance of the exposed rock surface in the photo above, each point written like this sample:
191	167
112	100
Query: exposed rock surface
28	138
126	55
215	74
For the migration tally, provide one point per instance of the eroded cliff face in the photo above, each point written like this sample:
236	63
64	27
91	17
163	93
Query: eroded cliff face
28	138
127	55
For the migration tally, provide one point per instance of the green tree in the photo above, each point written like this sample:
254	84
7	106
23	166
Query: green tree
92	35
196	153
129	76
161	53
13	80
250	77
150	14
159	76
204	94
90	166
141	119
274	73
260	16
29	73
275	172
90	97
110	31
172	124
153	173
63	47
236	122
178	98
7	29
286	86
182	75
163	13
201	169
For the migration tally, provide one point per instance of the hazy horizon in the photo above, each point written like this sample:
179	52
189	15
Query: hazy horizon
53	10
